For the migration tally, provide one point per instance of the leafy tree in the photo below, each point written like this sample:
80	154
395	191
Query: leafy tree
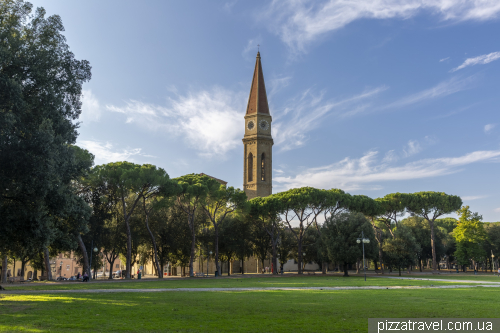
286	245
155	199
40	90
193	191
243	232
469	236
420	230
493	235
128	180
430	206
392	206
302	206
340	235
261	241
401	250
220	202
267	210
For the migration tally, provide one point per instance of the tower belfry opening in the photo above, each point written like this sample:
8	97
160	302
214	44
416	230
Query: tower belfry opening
257	142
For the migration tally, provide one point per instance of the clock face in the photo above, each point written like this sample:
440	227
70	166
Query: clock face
263	124
250	125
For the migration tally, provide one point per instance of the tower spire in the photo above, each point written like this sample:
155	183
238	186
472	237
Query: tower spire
257	102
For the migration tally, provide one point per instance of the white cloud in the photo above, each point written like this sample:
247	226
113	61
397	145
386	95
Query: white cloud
300	22
480	60
489	127
444	59
106	153
497	210
362	173
442	89
91	110
209	121
307	112
412	148
473	197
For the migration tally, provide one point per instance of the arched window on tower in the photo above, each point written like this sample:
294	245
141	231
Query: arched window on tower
250	167
263	167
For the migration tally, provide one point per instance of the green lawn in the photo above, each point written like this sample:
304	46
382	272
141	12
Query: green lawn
253	311
280	281
461	276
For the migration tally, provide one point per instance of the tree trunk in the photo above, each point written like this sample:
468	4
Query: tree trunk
274	265
86	266
433	244
380	256
160	275
242	267
35	273
111	264
345	270
357	266
193	244
217	264
23	266
47	263
399	268
299	266
324	267
128	265
5	263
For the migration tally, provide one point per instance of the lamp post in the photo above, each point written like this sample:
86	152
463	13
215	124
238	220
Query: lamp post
364	240
492	260
208	258
60	270
95	250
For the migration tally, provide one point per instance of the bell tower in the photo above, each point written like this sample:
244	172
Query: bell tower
257	142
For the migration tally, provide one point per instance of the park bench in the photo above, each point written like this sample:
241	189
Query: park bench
16	279
200	274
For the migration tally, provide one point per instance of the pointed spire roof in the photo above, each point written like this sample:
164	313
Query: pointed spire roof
257	102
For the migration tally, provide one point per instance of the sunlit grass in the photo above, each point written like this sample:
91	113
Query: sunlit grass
249	311
253	282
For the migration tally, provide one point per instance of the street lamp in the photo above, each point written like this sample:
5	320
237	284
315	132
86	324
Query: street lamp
365	241
90	265
60	269
208	258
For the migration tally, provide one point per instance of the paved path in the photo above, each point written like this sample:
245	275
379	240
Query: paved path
80	291
430	279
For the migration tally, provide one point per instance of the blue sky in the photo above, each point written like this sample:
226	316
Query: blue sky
372	97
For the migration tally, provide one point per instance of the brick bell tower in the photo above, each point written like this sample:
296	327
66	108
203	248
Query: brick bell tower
257	142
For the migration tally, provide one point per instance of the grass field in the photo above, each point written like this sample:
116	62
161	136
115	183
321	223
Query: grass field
279	281
254	311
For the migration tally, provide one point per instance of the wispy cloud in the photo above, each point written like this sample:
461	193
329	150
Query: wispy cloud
368	172
489	127
209	121
105	152
480	60
473	197
250	50
277	84
413	147
442	89
307	111
444	59
300	22
91	110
